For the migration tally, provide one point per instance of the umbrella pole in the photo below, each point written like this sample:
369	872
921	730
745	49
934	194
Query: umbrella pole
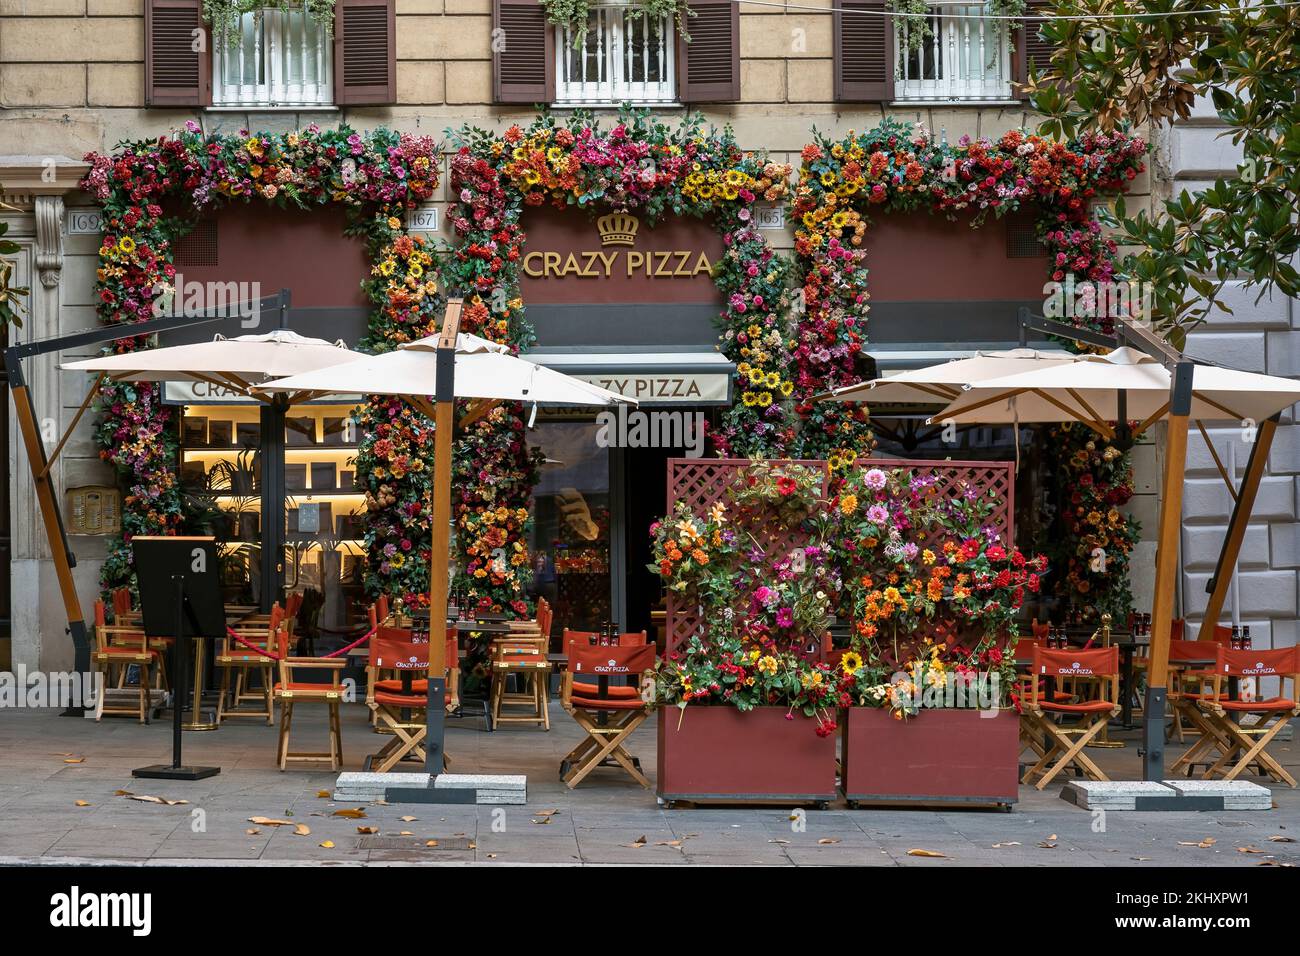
1171	510
1241	509
444	424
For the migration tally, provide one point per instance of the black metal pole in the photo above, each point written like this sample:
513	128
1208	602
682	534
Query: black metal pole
180	668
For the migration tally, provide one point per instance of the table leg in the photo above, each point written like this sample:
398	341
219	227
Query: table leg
1126	707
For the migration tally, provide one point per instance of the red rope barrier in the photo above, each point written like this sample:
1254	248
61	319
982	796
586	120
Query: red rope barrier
275	657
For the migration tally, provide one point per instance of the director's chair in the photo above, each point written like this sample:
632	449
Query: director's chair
265	633
290	692
608	714
1272	714
1099	667
401	704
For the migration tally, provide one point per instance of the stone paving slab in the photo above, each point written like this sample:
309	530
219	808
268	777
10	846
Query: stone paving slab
597	823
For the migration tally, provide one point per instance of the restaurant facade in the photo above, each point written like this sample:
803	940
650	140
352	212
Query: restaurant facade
629	299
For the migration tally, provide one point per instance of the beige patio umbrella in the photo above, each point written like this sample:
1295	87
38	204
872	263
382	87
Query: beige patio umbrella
1089	390
448	366
1126	383
943	382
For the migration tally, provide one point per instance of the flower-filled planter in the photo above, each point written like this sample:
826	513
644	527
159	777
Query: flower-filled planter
721	753
957	755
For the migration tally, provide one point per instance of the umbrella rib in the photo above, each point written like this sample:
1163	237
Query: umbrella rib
478	410
1082	401
1223	408
1154	417
1002	396
947	394
85	403
1232	490
1099	427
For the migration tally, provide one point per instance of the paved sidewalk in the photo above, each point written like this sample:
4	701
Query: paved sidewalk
49	763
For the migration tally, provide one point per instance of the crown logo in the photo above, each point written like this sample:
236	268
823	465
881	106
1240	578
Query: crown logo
617	229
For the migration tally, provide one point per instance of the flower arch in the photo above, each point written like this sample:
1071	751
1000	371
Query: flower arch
896	168
377	176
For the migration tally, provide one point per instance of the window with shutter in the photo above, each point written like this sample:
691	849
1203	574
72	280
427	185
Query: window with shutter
708	67
523	53
955	55
864	52
365	52
274	58
625	56
176	64
1032	51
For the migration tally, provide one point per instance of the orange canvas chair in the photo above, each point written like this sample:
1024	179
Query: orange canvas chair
244	663
1252	741
290	692
608	714
1099	667
117	647
400	704
523	657
1192	666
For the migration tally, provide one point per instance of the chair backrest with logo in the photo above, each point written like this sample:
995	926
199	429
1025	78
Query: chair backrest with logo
393	648
600	663
1258	663
1098	662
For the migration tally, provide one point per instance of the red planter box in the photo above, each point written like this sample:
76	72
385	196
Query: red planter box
719	753
938	756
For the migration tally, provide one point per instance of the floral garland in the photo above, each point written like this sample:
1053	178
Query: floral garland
642	165
376	176
894	168
1097	480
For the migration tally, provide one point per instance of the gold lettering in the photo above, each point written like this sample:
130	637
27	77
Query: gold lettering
608	259
552	260
570	266
529	268
634	261
588	266
702	264
682	268
661	260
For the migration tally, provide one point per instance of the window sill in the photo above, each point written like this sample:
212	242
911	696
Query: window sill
267	108
615	104
958	102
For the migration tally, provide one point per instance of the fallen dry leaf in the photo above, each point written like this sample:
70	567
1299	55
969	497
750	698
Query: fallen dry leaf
328	844
1281	839
669	843
546	813
473	846
635	844
123	793
491	856
1046	845
934	853
301	829
367	830
1249	849
1204	844
82	803
430	842
781	842
998	846
252	831
1271	862
827	841
1140	859
405	833
75	760
323	794
146	798
542	821
352	814
270	822
407	819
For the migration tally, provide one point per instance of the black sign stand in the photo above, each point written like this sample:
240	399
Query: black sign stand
178	580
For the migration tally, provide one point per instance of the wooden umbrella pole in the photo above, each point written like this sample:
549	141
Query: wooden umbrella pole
1241	509
440	533
1171	511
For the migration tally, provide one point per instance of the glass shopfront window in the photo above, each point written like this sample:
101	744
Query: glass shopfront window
570	540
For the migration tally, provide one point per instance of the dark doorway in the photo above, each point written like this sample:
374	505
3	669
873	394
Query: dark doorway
645	494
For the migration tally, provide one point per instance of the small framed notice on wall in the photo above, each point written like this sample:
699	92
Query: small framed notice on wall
94	510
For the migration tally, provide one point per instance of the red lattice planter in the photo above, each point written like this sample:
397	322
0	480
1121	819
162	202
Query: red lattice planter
701	482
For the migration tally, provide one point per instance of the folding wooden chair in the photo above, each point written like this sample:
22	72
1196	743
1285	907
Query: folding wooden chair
1192	665
120	647
401	704
1252	741
290	692
607	713
525	659
233	658
1099	666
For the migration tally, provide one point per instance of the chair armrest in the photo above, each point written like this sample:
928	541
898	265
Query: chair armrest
317	663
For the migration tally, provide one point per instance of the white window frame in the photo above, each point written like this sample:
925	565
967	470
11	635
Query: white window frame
607	34
283	35
973	60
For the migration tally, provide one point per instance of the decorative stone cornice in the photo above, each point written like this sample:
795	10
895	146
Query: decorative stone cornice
23	178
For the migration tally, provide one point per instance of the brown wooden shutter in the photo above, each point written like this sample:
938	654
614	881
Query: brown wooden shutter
175	74
365	53
708	68
864	52
523	53
1031	49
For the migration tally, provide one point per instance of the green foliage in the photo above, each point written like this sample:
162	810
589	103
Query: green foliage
573	14
10	308
1246	59
224	15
